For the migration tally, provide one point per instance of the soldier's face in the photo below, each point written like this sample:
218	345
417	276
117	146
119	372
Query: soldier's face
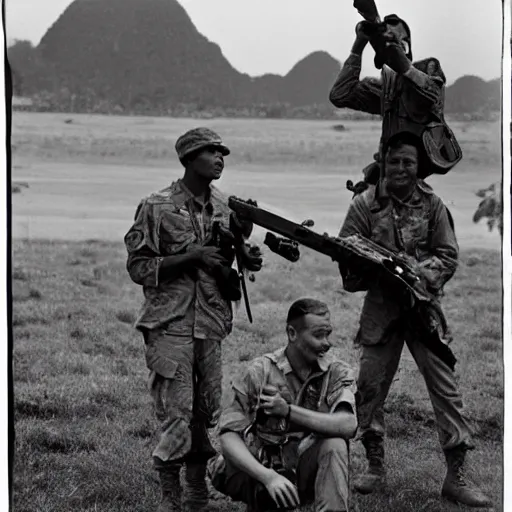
312	339
401	166
209	163
395	31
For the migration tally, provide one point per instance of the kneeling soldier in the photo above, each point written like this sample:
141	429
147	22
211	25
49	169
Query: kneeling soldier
285	436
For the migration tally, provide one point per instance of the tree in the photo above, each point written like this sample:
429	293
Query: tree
491	207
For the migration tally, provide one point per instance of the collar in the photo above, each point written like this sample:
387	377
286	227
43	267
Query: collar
186	195
382	193
279	358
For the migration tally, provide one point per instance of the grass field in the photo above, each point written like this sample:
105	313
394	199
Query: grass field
83	417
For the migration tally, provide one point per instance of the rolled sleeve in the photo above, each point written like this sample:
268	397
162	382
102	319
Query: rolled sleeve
342	389
142	243
239	414
357	222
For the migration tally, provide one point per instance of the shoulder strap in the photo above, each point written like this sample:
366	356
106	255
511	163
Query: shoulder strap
325	386
266	372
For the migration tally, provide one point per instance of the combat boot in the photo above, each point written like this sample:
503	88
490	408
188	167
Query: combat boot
196	490
375	477
170	488
456	486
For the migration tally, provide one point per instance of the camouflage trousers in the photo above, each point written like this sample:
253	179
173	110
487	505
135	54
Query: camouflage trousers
378	366
185	383
322	478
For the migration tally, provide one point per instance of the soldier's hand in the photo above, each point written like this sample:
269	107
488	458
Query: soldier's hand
210	257
282	491
226	235
430	270
396	58
274	404
364	30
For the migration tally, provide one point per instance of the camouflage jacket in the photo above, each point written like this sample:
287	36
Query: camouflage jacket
405	102
189	303
421	228
331	385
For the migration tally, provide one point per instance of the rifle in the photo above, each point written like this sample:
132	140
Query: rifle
393	265
238	244
230	281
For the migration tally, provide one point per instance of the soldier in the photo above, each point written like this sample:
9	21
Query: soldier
402	213
409	96
285	435
188	285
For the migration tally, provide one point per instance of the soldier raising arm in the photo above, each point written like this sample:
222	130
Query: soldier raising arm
408	96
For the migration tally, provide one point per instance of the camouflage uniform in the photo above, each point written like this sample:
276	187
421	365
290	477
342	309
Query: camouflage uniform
422	229
319	466
407	102
184	318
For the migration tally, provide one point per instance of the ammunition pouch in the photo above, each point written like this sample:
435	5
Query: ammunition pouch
441	147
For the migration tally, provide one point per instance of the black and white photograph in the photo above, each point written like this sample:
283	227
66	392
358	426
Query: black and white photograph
259	255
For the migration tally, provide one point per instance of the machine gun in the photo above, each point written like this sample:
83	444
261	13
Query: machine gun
356	247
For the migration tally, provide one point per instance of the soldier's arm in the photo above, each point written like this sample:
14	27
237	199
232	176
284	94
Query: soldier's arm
145	264
442	263
234	449
357	222
349	91
427	88
235	419
342	423
339	418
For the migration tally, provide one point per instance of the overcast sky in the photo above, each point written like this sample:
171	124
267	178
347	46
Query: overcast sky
270	36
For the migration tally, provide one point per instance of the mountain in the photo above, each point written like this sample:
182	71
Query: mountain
472	94
148	56
138	51
310	80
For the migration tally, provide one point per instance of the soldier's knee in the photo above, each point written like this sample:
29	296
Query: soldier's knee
335	445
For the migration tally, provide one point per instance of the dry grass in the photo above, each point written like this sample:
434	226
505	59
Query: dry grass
83	417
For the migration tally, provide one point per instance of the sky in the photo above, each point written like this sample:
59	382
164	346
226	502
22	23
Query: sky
271	36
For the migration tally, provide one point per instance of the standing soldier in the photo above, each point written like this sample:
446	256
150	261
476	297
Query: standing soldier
402	214
188	286
409	96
